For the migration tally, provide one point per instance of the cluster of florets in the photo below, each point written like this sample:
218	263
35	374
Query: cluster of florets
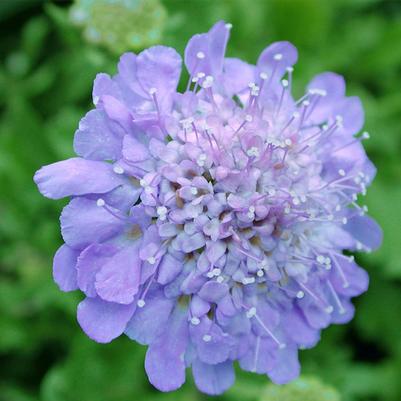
210	224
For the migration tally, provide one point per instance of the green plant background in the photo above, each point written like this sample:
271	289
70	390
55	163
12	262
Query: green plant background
46	74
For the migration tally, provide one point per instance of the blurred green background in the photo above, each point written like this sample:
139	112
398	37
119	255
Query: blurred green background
49	55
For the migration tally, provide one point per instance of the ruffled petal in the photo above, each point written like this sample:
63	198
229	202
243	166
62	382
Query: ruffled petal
205	52
159	67
276	58
64	270
150	320
118	279
103	321
76	176
98	138
366	231
213	379
164	361
90	261
287	366
83	222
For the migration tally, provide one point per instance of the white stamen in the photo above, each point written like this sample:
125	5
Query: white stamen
278	56
320	259
251	312
207	338
263	76
151	260
141	303
220	279
260	273
284	82
288	142
341	172
200	55
152	91
229	26
248	118
118	170
195	321
300	294
344	220
253	152
248	280
365	135
100	202
194	191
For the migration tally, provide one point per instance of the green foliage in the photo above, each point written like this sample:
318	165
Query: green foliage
46	74
304	388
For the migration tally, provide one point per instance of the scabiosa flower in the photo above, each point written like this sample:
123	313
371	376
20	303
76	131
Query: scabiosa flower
210	224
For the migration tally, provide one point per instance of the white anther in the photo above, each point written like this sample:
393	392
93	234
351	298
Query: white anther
325	127
195	321
161	211
152	91
365	135
210	274
288	142
220	279
284	82
200	75
216	271
329	309
143	183
290	69
148	190
306	103
282	346
300	294
200	55
100	202
263	76
251	209
118	170
141	303
338	208
248	280
151	260
320	92
295	114
351	258
208	82
359	246
251	312
248	118
339	119
296	201
320	259
341	172
194	191
253	152
303	198
207	338
344	220
327	261
278	56
260	273
287	210
95	100
271	191
228	26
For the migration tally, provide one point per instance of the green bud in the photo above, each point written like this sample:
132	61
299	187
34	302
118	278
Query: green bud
120	25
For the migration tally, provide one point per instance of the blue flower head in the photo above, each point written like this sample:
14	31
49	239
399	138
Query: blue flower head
210	225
